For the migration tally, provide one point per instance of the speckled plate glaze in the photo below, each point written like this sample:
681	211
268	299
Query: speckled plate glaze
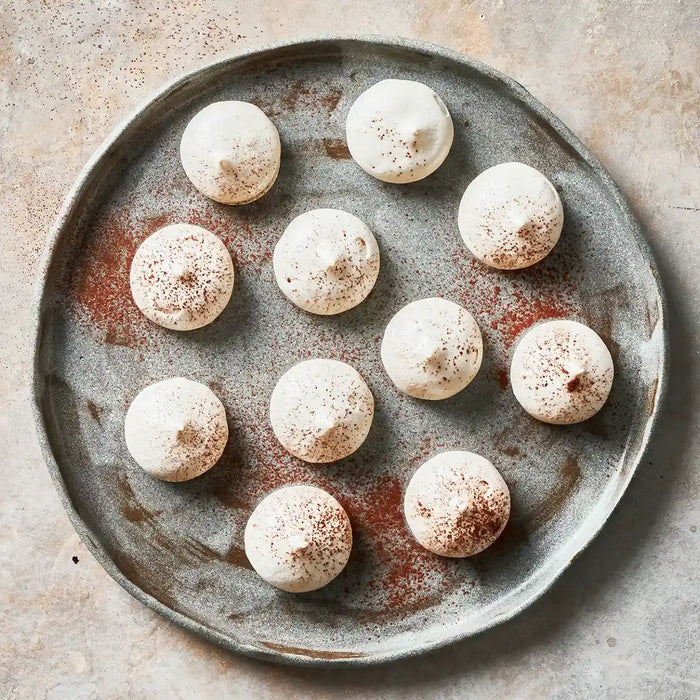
178	547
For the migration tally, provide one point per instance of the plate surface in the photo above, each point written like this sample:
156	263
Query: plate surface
178	547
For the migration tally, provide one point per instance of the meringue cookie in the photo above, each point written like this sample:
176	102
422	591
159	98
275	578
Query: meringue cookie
231	151
181	277
456	504
561	372
399	131
432	348
510	216
321	410
326	261
298	538
176	429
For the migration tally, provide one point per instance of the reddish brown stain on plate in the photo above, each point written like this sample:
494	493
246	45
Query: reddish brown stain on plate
132	510
237	557
193	551
300	94
101	286
313	653
267	465
297	90
651	396
337	149
94	411
331	100
511	451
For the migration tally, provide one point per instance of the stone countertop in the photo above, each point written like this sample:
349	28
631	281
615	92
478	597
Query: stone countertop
622	621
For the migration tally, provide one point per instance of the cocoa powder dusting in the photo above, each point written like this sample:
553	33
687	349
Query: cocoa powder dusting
406	576
522	313
101	288
250	248
505	318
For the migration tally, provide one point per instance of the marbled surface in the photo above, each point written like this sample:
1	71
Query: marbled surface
622	621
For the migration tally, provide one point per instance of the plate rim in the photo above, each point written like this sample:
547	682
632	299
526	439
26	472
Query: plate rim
38	314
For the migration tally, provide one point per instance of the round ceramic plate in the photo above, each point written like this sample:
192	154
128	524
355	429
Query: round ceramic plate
179	547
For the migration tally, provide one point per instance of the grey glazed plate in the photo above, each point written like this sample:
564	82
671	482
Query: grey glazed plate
178	547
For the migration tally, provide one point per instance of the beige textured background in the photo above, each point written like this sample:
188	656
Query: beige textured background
623	621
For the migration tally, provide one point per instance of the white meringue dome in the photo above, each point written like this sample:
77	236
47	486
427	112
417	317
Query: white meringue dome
399	131
176	429
231	152
298	539
326	261
321	410
510	216
456	504
432	348
181	277
561	372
